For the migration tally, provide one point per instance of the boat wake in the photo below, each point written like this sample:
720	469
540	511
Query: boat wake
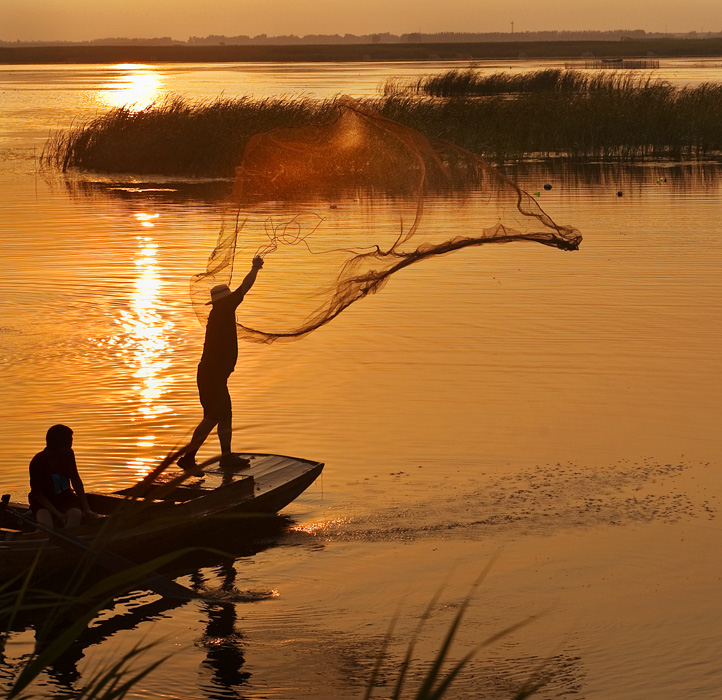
235	595
542	500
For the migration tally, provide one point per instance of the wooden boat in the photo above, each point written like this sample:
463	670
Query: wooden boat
215	506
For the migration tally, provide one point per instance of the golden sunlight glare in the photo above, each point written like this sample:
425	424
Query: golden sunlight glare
134	86
147	330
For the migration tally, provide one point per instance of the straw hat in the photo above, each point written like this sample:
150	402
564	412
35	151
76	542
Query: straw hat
219	292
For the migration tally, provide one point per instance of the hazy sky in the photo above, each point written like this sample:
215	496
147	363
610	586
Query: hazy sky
92	19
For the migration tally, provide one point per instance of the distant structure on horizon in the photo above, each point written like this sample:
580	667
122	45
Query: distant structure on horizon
384	38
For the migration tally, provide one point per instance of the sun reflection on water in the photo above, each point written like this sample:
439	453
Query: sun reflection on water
139	467
319	526
147	346
134	86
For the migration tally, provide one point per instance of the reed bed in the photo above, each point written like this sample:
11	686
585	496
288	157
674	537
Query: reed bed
656	122
472	83
546	113
177	137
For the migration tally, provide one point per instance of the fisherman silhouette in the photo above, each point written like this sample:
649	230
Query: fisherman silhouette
220	353
57	494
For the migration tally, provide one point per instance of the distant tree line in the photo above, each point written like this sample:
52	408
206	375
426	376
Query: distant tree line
380	38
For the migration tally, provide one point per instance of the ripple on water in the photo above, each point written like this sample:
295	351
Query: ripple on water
543	500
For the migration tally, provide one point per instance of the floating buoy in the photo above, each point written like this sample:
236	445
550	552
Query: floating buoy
619	193
547	186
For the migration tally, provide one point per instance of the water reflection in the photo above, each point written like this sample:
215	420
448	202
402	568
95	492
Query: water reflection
32	630
63	672
146	337
222	640
132	189
134	86
681	177
148	331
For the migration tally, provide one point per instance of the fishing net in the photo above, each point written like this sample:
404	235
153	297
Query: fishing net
336	209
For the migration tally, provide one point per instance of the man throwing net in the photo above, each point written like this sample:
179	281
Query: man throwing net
220	353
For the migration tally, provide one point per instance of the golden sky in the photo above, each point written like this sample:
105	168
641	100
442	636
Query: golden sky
77	20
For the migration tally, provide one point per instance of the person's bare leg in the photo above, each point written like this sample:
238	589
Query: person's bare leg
225	433
199	437
45	518
206	387
225	422
73	517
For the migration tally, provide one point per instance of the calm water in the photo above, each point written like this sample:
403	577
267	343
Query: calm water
561	410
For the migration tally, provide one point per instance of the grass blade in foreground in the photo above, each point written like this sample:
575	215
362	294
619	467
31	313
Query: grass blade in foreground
436	684
92	601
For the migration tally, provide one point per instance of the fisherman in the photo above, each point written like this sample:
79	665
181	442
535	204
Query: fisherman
57	494
220	352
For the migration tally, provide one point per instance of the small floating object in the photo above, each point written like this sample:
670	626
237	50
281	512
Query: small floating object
332	206
659	180
620	193
537	194
547	186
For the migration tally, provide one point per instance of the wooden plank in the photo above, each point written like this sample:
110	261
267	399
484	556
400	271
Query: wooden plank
278	495
275	479
178	493
277	466
284	473
259	465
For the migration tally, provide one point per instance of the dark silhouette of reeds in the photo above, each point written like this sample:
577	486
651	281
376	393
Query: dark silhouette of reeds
556	112
501	117
177	137
472	83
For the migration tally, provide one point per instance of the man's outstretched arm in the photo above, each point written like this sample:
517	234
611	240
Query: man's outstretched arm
250	278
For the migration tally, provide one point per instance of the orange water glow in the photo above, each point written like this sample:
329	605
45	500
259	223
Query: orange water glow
146	441
139	467
146	220
130	85
319	525
147	348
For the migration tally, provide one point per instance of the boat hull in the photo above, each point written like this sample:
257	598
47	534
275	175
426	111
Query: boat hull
216	508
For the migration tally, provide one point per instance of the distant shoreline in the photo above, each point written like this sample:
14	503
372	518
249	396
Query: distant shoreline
338	53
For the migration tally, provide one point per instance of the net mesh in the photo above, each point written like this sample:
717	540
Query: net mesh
340	207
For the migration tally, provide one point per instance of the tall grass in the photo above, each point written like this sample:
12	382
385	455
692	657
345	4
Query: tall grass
65	615
472	83
583	115
441	674
177	137
607	116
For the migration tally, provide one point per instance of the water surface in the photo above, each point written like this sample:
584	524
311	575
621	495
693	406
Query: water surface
560	410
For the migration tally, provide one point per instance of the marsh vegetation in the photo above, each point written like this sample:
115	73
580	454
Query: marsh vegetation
503	116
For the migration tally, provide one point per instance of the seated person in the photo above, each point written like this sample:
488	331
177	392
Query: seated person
56	489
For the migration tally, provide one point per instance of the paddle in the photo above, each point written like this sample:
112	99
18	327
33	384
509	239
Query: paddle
107	560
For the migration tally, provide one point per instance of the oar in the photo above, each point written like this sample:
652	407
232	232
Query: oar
108	560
